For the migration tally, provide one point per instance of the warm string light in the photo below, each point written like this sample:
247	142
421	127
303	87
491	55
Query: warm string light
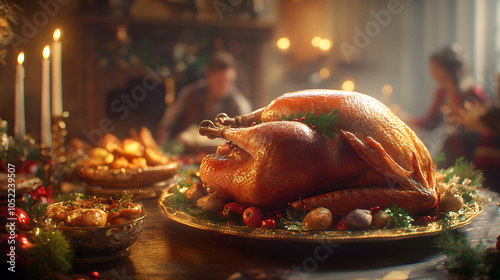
323	44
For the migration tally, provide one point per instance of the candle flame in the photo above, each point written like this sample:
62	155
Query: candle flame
46	52
57	34
20	58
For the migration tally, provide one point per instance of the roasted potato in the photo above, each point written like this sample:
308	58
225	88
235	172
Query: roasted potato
140	150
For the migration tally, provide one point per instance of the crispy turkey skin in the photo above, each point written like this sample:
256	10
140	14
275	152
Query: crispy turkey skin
374	159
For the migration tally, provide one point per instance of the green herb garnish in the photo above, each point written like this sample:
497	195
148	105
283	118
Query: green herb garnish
323	122
179	201
398	217
440	158
125	197
464	170
293	219
68	198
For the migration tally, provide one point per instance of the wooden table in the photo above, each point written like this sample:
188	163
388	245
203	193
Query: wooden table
168	250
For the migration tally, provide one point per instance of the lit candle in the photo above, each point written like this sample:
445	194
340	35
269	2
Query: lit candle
19	121
45	130
57	107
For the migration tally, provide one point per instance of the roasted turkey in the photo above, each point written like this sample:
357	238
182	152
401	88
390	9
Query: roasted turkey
373	159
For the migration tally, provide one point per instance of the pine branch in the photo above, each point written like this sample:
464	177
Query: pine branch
461	255
50	254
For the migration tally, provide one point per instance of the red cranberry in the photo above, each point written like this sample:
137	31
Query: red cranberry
269	223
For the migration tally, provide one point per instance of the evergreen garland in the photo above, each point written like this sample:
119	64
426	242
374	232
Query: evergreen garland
50	254
462	257
16	151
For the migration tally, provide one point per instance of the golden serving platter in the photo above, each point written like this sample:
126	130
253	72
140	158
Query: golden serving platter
126	178
464	217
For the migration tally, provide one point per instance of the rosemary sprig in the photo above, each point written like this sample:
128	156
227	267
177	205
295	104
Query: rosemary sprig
324	123
124	197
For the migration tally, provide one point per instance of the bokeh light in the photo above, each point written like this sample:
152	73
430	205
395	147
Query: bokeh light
325	44
324	73
315	41
348	85
283	43
387	90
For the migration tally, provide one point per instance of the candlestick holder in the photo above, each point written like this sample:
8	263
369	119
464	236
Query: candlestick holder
59	133
48	166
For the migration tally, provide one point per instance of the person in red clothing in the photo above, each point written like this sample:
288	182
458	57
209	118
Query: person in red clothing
457	106
455	87
487	153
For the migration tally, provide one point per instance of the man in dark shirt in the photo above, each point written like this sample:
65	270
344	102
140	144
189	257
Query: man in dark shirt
204	99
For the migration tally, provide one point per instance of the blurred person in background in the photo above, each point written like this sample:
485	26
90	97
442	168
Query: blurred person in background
457	106
487	153
204	99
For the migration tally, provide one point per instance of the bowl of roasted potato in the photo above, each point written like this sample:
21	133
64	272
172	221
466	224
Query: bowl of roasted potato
97	227
136	161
